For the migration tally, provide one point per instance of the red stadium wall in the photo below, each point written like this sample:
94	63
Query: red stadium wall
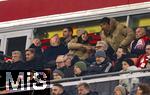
20	9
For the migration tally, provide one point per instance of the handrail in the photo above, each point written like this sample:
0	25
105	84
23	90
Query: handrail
96	76
89	77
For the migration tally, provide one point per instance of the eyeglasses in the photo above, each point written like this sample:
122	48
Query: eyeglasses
60	62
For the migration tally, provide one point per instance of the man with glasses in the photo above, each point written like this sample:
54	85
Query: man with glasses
60	65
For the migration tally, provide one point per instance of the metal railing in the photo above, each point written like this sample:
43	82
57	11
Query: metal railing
106	81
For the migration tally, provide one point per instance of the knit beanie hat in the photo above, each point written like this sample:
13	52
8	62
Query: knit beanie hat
129	61
100	54
81	65
59	72
122	89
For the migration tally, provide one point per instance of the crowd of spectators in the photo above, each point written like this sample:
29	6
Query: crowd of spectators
120	49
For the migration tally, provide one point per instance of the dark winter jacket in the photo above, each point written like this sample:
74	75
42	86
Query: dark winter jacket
68	72
92	93
100	68
53	51
34	64
38	50
65	93
20	65
118	63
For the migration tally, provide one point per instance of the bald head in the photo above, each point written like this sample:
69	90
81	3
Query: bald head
60	61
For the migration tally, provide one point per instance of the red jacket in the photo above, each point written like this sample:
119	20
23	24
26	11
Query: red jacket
142	61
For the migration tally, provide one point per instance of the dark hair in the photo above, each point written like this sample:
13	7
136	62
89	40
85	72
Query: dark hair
105	20
129	61
69	29
145	89
32	50
86	85
59	85
124	49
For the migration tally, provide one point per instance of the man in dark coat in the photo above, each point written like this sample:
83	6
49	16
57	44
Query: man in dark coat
121	54
58	89
67	36
33	63
102	64
37	46
55	49
84	89
60	65
17	61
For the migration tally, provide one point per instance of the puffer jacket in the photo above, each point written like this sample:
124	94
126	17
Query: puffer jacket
119	35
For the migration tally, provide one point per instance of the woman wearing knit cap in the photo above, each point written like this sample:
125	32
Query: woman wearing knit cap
80	68
57	74
120	90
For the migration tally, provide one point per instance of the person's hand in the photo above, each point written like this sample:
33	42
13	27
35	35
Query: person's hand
88	47
3	92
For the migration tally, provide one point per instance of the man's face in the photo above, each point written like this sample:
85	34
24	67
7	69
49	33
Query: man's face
56	90
139	33
67	61
29	56
82	90
99	59
60	62
105	27
66	33
119	53
16	57
147	49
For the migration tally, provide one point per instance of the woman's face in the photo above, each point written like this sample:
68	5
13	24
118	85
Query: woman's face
139	91
125	65
117	91
77	70
56	76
